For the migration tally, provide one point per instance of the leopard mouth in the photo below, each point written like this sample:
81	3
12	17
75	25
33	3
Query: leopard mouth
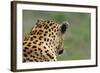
60	52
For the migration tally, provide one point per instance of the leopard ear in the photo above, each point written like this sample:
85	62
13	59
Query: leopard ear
64	26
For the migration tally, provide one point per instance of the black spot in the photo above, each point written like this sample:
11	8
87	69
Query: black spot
40	43
44	47
44	39
46	27
40	30
49	30
36	53
26	48
24	43
34	42
40	38
48	21
29	44
46	44
31	39
44	34
39	49
47	39
46	51
34	36
33	46
51	24
49	43
25	55
31	60
35	49
52	33
54	26
49	35
27	58
50	40
54	30
24	60
50	56
35	60
30	52
33	56
33	32
39	26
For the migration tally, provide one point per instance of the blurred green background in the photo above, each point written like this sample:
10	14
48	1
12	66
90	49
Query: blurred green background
77	40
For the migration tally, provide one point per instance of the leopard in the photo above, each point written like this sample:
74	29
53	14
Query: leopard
45	41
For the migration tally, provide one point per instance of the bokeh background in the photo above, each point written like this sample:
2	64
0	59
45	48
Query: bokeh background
77	41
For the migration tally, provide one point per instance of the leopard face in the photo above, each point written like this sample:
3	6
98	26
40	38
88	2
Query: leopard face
44	42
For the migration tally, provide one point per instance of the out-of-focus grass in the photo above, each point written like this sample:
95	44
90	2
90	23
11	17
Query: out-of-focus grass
77	40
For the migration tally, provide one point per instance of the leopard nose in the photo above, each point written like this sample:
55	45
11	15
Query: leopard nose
60	52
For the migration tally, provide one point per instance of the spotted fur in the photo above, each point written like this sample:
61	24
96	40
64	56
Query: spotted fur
44	42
